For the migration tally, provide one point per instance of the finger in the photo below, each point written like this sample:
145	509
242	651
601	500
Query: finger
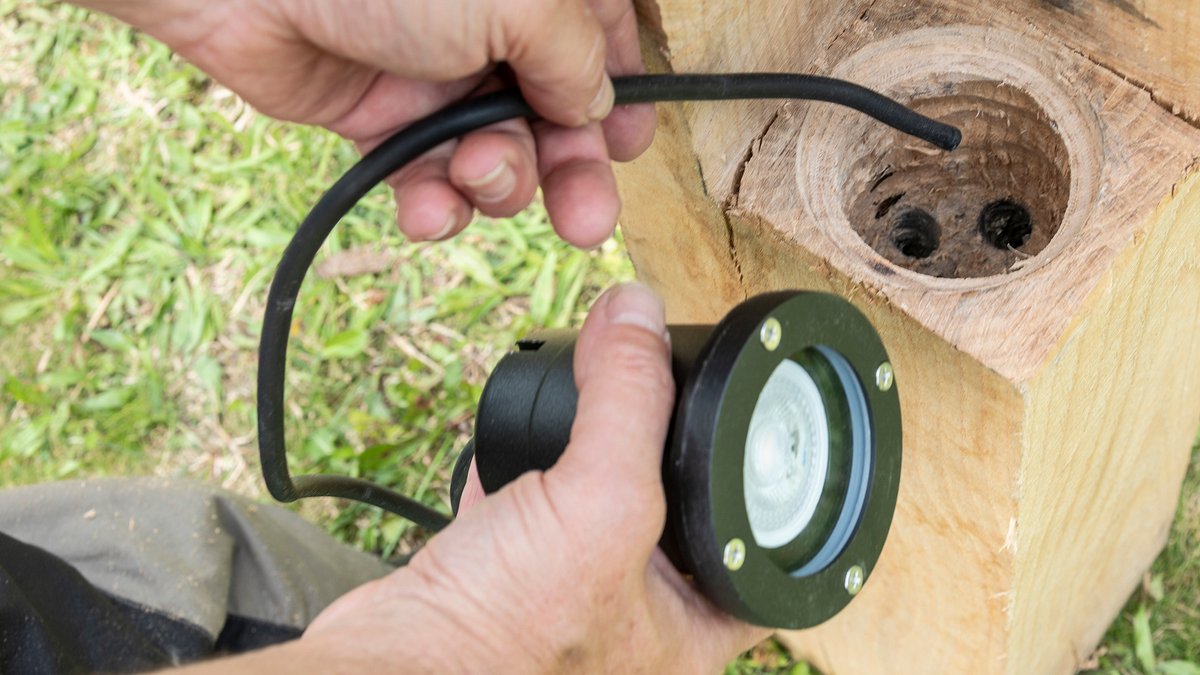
723	636
472	492
424	41
578	187
618	20
392	102
496	168
557	50
629	129
611	469
436	194
555	47
428	207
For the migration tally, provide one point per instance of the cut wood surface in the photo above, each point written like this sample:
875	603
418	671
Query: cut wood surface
1109	422
1045	383
1123	155
1153	43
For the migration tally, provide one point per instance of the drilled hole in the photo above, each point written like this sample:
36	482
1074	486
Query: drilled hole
1005	224
915	233
887	204
1011	152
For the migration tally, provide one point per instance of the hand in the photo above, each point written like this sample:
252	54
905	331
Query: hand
365	68
558	571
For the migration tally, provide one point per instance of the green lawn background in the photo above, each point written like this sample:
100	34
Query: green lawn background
142	210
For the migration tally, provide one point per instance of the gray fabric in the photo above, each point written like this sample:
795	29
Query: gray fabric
188	550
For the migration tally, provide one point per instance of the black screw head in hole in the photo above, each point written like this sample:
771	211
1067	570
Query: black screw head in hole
915	233
1005	224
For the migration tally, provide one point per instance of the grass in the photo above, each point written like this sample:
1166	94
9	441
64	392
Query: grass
142	209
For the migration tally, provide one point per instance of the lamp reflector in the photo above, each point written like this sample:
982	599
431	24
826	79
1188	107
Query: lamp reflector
787	456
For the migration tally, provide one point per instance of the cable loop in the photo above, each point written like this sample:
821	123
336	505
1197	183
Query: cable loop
413	141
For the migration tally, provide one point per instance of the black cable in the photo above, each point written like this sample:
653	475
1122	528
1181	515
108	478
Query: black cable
410	143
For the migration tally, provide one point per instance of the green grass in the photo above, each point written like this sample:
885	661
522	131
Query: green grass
1159	629
142	210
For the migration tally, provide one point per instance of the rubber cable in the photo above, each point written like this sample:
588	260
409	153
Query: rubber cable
413	141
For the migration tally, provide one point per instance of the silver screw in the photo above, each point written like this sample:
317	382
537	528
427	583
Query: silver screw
735	554
770	334
855	577
884	376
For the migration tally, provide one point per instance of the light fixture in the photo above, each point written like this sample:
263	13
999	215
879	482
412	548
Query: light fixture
783	460
784	457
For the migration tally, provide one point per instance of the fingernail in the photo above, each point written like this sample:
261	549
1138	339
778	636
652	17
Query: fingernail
634	304
603	103
495	186
451	222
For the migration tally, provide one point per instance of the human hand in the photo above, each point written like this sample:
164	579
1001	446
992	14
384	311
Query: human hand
365	68
559	570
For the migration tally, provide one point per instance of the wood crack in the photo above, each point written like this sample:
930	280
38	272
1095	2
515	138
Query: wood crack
845	29
731	201
733	253
1174	109
735	187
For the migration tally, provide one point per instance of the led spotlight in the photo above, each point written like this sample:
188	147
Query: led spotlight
783	459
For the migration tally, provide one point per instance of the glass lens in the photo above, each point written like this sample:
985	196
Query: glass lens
787	456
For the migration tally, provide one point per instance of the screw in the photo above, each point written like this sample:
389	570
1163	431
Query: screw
770	334
854	579
884	376
735	554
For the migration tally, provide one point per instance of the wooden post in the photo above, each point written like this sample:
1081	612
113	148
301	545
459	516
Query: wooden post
1048	388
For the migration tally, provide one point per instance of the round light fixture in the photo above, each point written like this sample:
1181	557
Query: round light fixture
811	498
783	460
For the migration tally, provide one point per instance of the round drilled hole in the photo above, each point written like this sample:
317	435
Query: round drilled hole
1012	164
1005	224
915	233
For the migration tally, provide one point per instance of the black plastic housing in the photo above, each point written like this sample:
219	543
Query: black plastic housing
528	405
524	418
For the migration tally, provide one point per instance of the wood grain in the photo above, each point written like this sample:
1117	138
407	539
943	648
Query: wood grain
1153	43
1048	410
1108	422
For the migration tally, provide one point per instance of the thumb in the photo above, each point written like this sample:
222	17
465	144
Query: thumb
557	50
612	466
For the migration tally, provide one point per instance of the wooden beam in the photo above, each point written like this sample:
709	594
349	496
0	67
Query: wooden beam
1152	43
1047	408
